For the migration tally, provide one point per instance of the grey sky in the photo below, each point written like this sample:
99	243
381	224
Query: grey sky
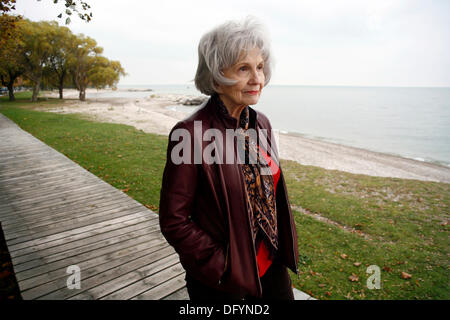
315	42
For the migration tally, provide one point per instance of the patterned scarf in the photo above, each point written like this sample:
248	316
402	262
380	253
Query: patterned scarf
259	189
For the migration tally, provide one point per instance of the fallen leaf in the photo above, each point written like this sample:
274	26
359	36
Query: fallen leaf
406	275
343	256
126	190
353	278
321	285
358	226
387	269
357	264
151	207
328	293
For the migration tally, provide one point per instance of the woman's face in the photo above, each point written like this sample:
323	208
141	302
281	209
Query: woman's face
248	72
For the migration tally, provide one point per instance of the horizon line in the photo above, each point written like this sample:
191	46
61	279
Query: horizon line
296	85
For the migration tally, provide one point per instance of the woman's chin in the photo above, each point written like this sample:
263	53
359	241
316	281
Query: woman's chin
252	100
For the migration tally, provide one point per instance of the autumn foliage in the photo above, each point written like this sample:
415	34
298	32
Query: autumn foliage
44	53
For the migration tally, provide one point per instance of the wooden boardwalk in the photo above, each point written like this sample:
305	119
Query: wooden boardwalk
56	214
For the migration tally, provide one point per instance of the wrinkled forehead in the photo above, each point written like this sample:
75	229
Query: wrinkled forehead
249	54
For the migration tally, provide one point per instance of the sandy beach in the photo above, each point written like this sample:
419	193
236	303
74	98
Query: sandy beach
158	113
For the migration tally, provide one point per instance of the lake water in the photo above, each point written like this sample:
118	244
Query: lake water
410	122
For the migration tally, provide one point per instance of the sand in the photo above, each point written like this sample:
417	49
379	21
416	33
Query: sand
158	113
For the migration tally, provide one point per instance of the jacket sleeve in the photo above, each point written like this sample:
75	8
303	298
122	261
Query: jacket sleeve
200	255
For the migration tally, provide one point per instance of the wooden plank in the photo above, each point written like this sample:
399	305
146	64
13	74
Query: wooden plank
42	218
73	221
49	237
24	249
26	162
76	259
142	228
44	177
38	199
134	283
38	174
45	192
41	187
32	171
181	294
7	155
163	290
57	204
33	185
39	232
71	203
76	234
99	274
105	244
98	263
126	275
50	178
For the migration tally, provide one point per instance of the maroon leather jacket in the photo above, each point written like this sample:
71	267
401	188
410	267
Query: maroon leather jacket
203	213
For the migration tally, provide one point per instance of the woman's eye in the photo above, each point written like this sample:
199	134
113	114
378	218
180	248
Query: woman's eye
260	67
243	68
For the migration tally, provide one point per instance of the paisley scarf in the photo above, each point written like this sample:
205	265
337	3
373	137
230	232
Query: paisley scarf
261	202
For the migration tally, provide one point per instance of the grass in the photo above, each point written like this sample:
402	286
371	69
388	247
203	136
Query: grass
404	221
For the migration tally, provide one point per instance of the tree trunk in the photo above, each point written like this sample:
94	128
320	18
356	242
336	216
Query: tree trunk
82	95
35	91
61	84
11	92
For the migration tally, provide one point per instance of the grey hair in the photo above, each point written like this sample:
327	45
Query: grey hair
222	47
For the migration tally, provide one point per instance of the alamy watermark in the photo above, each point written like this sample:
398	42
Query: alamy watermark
374	281
74	280
224	150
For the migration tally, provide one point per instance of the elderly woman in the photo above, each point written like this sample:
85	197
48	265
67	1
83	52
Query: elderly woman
229	219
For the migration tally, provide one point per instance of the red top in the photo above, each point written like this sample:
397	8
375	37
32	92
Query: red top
262	257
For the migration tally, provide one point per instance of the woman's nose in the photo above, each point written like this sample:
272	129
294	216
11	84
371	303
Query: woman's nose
256	77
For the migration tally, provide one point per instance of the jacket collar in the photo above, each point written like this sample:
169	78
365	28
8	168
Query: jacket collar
219	109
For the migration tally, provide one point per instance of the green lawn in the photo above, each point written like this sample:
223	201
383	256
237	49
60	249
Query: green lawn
404	221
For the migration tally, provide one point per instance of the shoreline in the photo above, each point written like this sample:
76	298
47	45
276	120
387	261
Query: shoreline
159	112
326	140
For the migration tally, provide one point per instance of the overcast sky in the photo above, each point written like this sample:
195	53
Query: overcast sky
315	42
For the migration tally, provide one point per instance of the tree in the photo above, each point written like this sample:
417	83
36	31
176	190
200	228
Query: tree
82	61
11	67
38	42
57	68
71	6
105	73
88	67
46	53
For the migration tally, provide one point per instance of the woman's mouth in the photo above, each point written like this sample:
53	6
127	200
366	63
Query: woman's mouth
252	92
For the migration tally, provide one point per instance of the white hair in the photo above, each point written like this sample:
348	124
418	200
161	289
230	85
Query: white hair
222	47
